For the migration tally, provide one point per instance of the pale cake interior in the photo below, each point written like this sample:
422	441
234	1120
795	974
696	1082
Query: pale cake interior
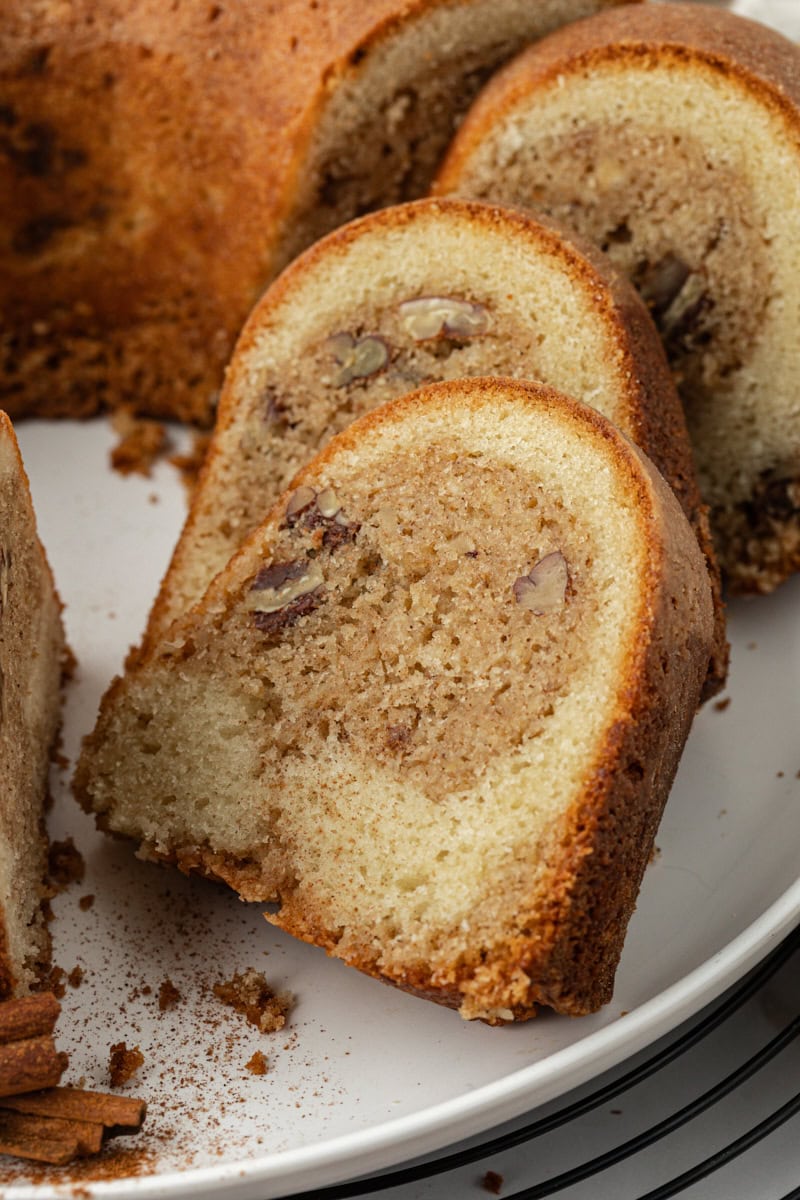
674	171
546	314
398	750
30	670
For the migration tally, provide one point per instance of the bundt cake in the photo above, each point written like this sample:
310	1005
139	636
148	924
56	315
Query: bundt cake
405	296
434	705
32	657
670	135
160	162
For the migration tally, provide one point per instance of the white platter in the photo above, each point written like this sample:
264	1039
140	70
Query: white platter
364	1077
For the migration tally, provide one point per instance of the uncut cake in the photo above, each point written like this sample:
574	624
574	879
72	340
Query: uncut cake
159	163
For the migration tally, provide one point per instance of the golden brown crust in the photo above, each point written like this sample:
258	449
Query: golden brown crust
35	659
757	58
241	872
131	259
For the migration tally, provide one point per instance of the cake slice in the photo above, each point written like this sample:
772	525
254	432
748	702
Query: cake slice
409	295
433	707
32	658
670	135
159	164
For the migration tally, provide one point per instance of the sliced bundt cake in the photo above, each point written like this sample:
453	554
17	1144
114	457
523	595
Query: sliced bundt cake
433	707
160	163
32	658
420	292
670	135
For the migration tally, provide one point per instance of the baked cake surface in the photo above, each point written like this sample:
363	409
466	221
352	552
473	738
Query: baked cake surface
32	651
160	163
415	293
670	135
433	707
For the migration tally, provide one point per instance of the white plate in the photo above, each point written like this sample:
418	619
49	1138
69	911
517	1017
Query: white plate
364	1077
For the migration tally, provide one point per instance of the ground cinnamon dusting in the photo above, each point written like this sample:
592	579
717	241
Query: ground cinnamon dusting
257	1065
168	995
250	994
142	442
123	1063
65	865
113	1162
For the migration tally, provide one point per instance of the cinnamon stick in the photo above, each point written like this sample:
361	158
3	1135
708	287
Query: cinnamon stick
38	1119
49	1141
113	1112
86	1136
29	1065
32	1016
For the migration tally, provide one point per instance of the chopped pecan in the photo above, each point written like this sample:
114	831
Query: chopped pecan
356	357
327	503
543	590
281	593
299	502
274	621
662	282
690	329
442	316
275	410
311	510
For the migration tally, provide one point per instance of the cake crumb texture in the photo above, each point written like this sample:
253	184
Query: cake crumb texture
669	135
32	659
432	708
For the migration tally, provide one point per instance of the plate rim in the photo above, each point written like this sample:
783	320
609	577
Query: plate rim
353	1155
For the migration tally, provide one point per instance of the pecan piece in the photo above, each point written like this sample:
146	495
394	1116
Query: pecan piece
327	503
312	510
429	317
275	410
356	357
662	283
543	590
691	328
282	618
283	592
299	502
